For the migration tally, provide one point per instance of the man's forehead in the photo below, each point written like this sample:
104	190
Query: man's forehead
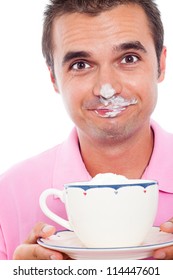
77	30
77	17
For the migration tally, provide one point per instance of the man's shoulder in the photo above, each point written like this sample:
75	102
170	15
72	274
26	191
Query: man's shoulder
162	136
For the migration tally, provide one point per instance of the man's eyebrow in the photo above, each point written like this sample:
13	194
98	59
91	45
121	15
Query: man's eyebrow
74	54
134	45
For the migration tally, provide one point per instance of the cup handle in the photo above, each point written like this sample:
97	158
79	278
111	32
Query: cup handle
48	212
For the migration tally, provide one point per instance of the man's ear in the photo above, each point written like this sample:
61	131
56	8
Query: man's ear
53	79
162	65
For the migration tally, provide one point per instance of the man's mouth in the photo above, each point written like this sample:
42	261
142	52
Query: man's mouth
109	112
114	106
110	108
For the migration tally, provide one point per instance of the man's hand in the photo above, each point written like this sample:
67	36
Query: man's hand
167	252
30	250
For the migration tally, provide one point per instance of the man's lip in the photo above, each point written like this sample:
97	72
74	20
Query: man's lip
109	109
109	113
105	110
113	108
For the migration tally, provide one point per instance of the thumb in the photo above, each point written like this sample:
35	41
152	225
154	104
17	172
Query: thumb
40	230
167	226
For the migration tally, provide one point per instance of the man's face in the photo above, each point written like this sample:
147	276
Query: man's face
115	48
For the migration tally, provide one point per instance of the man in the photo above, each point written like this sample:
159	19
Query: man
105	59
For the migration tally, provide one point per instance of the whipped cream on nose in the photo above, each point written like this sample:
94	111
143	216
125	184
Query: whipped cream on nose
107	91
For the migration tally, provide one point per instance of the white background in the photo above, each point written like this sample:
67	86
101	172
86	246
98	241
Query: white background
32	115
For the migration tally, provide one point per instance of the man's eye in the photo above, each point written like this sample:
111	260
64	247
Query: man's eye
80	65
129	59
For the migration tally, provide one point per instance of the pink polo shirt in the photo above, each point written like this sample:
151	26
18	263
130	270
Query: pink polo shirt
21	186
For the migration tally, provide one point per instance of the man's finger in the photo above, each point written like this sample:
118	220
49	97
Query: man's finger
167	226
40	230
164	254
35	252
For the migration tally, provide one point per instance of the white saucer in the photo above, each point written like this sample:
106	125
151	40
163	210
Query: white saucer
68	243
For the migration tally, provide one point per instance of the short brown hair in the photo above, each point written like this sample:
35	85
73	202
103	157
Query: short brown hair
56	8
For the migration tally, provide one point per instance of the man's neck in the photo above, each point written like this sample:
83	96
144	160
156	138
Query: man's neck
129	158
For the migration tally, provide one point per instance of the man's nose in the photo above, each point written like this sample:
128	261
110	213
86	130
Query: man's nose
107	91
107	82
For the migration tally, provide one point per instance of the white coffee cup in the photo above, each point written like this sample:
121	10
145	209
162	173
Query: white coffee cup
116	215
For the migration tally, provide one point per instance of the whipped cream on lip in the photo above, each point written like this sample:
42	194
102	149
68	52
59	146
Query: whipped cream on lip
113	106
109	113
